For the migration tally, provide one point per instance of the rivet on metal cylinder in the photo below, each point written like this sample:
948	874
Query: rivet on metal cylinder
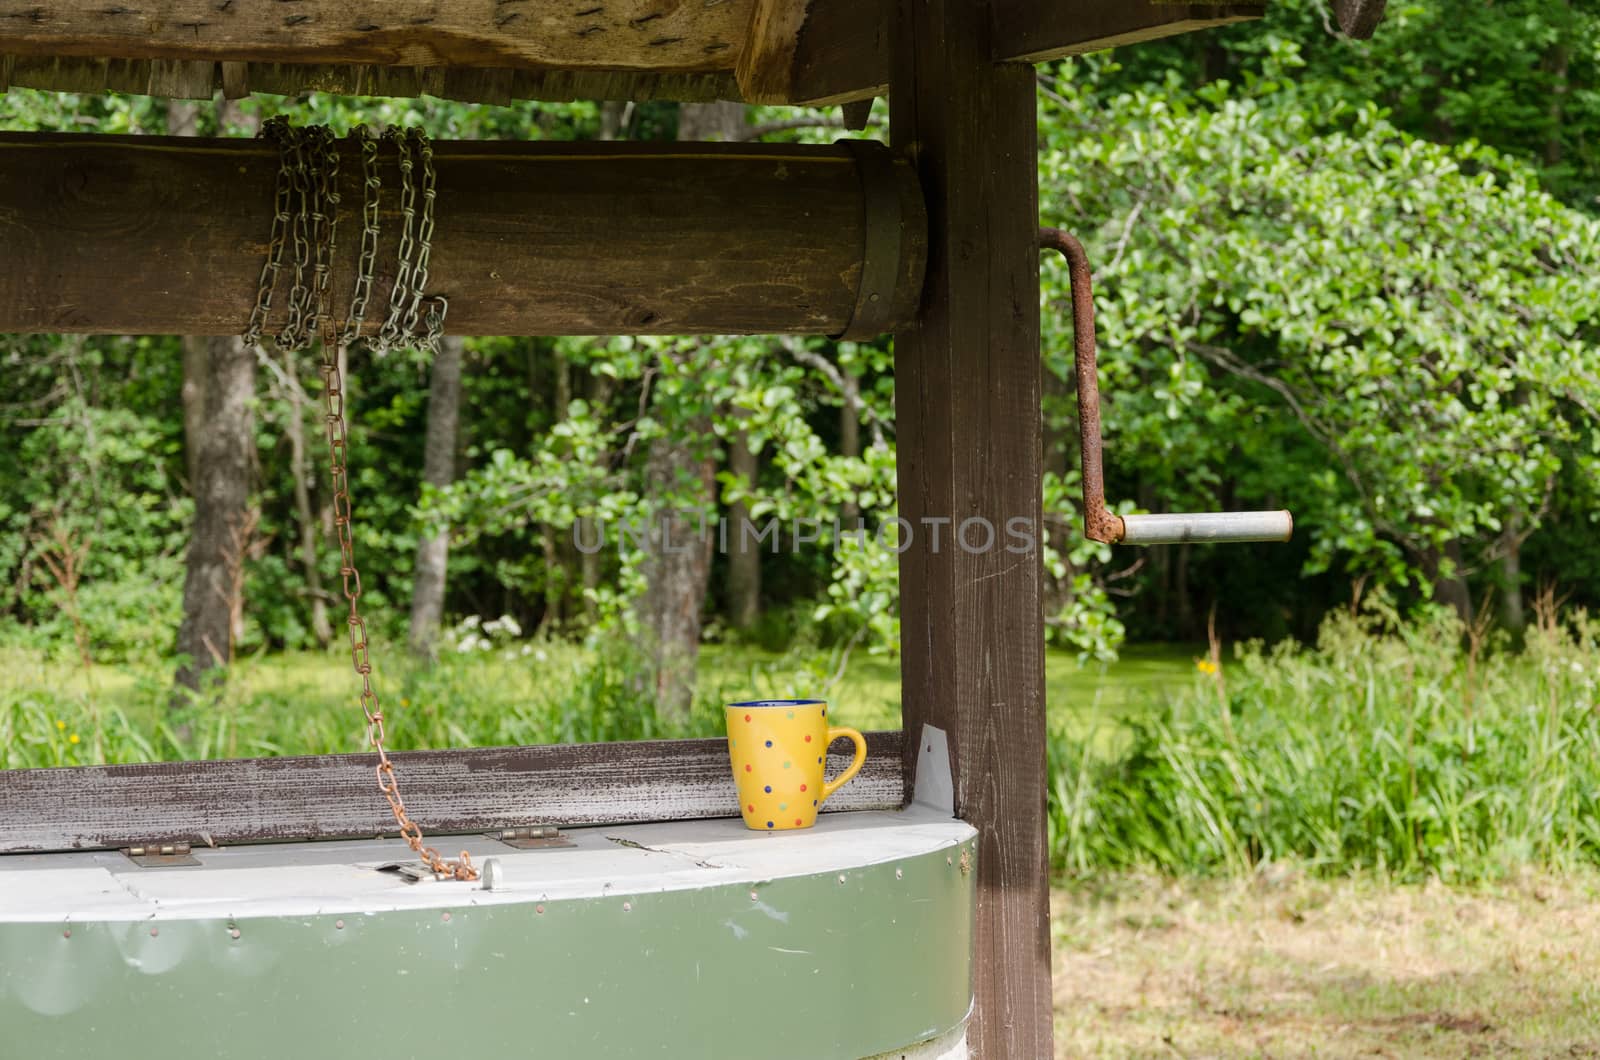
1099	522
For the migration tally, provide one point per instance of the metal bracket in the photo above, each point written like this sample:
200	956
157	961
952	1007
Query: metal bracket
160	855
881	242
534	837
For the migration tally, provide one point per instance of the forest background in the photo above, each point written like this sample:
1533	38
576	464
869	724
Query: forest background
1356	279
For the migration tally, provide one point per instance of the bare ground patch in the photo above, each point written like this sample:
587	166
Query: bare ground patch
1283	966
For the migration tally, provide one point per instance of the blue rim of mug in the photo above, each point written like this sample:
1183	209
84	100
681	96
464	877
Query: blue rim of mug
779	703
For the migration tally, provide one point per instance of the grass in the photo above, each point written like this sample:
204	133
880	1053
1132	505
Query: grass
1390	749
518	692
1286	965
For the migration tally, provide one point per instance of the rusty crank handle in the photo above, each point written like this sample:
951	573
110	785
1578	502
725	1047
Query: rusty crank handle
1099	523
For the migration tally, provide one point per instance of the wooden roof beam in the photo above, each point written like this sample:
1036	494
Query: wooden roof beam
655	35
1032	32
842	51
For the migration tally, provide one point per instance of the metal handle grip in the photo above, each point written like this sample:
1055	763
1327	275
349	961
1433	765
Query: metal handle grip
1214	528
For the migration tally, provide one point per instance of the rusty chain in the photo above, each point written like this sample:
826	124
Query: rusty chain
309	171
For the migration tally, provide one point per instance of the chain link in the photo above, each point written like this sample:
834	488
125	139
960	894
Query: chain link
274	129
295	334
419	270
324	225
393	333
371	190
388	783
306	210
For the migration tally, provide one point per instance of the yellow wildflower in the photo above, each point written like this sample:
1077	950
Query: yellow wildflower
61	726
405	702
1205	666
73	738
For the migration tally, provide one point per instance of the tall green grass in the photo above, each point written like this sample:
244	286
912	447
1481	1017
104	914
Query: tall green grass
507	691
534	692
1387	748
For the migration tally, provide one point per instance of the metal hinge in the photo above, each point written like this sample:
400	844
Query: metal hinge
534	837
160	855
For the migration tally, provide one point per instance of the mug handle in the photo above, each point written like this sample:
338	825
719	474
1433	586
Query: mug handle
831	786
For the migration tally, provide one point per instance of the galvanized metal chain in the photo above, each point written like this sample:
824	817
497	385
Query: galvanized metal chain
367	262
324	224
296	334
419	269
275	129
306	206
392	333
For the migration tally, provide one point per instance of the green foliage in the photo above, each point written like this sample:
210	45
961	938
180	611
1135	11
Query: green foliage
1301	305
1388	749
1520	75
92	527
1284	292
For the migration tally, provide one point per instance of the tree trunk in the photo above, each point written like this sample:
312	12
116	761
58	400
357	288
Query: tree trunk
613	119
1512	615
849	437
226	460
598	393
677	567
193	396
1450	588
711	121
556	548
744	556
305	517
183	117
438	469
219	454
1558	61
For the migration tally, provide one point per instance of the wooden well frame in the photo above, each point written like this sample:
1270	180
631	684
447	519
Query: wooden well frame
960	77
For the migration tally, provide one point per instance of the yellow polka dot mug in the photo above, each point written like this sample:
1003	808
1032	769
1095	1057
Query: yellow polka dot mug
779	748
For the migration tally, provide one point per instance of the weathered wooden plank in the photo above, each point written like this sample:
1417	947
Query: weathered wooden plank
59	75
235	77
150	235
842	53
967	400
183	79
757	50
495	85
766	61
1032	32
616	35
336	796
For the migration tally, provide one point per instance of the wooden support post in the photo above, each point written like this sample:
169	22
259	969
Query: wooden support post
967	385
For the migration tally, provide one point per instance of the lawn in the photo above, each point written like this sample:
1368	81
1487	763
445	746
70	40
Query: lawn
1285	966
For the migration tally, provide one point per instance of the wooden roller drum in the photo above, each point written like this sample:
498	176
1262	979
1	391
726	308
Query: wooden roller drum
156	235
